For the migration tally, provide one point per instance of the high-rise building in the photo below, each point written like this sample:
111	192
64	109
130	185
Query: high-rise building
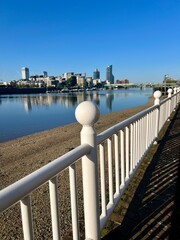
96	74
45	74
25	73
109	75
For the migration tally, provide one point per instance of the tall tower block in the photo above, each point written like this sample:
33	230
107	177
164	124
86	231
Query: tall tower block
25	73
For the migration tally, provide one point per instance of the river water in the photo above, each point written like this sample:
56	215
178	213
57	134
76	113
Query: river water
21	115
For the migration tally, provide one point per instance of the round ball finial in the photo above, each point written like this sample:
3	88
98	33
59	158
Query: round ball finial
87	113
157	94
169	90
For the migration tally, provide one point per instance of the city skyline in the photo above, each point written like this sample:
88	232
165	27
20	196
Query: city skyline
25	74
139	38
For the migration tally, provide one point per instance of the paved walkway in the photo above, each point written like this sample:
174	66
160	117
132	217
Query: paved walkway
154	210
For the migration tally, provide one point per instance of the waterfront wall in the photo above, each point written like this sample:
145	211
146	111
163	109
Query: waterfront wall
21	90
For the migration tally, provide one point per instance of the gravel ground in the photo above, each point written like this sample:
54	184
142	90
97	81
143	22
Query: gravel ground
24	155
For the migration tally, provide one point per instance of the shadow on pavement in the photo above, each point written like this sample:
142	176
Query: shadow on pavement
154	212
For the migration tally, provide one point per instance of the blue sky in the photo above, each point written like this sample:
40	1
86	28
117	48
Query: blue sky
140	38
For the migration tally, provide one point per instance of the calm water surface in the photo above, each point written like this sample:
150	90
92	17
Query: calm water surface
21	115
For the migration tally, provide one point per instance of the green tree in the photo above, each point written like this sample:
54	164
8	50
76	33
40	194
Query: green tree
71	82
99	85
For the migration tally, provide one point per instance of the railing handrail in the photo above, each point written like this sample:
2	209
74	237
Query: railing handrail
16	191
112	130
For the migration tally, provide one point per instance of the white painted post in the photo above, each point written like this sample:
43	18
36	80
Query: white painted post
169	105
174	99
169	92
87	115
157	95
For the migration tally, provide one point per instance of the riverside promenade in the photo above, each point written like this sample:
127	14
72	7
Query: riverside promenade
150	206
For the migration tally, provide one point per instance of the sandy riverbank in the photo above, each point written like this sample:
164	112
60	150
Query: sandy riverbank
24	155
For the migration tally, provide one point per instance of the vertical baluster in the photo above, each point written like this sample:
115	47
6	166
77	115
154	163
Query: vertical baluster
122	159
110	170
167	111
116	149
74	201
26	214
143	136
164	113
131	148
157	119
143	130
175	99
103	180
166	105
144	133
127	153
140	139
136	142
53	186
134	145
160	117
147	131
151	127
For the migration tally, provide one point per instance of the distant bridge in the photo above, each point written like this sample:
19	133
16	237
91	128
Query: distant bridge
118	85
140	85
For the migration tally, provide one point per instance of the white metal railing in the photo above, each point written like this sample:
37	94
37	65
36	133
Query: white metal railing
117	152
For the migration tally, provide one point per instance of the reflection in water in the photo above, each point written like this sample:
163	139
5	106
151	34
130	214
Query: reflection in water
67	100
27	104
109	100
70	99
46	111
